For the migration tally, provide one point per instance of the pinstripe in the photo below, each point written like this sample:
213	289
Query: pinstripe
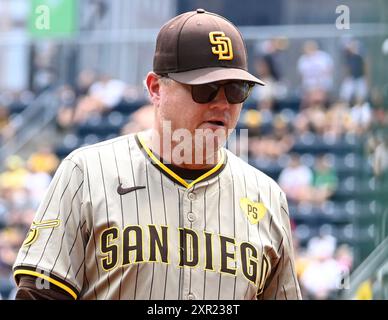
90	193
285	293
280	244
284	210
64	190
149	203
282	264
166	223
274	268
44	249
94	238
219	230
72	247
281	260
247	222
63	235
148	192
122	211
137	208
78	270
291	263
52	229
258	224
107	210
83	225
234	225
180	225
119	181
83	261
270	204
106	197
204	214
186	253
288	239
48	203
164	201
277	289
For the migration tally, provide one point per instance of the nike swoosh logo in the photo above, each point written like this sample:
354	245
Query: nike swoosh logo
122	191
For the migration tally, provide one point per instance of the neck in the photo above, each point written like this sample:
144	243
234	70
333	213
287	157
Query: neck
179	153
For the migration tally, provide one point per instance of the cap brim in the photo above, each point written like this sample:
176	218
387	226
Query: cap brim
206	75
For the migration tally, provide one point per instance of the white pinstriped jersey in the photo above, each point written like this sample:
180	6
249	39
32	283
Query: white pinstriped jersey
225	235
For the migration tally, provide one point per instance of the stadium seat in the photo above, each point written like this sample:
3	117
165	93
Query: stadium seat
271	168
309	143
103	126
127	107
304	233
291	103
70	142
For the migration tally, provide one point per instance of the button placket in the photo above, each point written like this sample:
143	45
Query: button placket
191	196
191	296
191	216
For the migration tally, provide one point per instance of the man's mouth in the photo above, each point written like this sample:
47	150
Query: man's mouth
216	122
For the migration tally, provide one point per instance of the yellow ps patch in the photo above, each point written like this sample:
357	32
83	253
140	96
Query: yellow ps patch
222	45
34	230
255	211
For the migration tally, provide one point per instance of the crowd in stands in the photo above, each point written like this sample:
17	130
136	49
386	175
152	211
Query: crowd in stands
22	186
294	139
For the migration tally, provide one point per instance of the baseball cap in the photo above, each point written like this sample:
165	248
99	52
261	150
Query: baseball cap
199	47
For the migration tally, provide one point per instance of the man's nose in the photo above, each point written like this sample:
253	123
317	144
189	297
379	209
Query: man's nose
220	101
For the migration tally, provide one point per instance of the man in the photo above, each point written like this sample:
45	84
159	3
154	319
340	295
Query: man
155	216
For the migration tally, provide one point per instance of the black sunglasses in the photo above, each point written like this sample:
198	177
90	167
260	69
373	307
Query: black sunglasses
236	91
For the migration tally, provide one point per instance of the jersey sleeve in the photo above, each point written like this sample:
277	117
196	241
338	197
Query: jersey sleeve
28	291
282	283
53	250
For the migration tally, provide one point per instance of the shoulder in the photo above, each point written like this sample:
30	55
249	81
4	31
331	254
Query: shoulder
95	151
243	170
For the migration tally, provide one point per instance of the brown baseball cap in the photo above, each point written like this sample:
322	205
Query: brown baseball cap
199	47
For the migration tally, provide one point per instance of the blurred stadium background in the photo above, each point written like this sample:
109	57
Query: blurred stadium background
319	127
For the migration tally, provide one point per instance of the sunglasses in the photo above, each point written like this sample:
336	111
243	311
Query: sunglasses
235	91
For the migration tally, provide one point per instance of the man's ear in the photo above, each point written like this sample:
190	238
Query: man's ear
153	86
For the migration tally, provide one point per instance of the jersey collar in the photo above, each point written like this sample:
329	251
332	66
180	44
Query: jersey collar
174	176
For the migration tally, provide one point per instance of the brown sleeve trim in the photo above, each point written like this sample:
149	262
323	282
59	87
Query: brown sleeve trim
58	282
28	290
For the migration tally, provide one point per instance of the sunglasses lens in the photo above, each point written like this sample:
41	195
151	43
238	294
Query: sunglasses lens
204	93
237	92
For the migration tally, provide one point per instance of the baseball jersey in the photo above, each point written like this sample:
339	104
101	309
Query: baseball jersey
116	223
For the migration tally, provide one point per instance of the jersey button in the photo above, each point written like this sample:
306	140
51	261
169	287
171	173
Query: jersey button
191	196
191	216
190	296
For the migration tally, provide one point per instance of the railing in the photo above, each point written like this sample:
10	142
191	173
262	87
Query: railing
368	269
29	123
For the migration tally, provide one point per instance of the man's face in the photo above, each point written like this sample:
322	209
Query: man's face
176	105
196	130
